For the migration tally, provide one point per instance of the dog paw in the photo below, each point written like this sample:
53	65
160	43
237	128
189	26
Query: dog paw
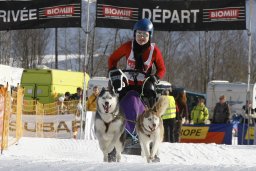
118	158
111	158
105	159
149	161
156	159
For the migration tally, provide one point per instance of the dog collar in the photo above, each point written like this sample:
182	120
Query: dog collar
115	114
144	130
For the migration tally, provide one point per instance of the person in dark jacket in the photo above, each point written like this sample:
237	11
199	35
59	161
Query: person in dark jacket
245	116
78	95
67	96
247	106
221	114
182	116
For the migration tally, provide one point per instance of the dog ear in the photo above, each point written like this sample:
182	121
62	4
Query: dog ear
161	105
102	91
154	109
112	91
146	113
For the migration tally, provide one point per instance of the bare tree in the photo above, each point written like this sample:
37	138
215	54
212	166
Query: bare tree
29	47
199	57
5	47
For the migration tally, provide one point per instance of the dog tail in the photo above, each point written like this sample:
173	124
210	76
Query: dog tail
161	105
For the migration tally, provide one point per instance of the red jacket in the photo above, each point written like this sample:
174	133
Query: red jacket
125	50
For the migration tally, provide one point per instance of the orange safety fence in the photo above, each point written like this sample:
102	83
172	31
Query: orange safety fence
29	107
52	120
19	116
19	128
10	105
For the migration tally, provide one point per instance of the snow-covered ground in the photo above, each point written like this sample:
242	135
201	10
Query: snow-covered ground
45	154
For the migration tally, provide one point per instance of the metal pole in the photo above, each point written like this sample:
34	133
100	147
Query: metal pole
249	71
84	89
56	48
79	49
92	52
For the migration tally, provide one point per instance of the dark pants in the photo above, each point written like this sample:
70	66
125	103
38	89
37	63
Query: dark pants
177	130
169	128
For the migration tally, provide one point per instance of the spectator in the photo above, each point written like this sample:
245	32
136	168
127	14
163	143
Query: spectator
63	100
199	114
169	118
91	103
182	113
221	112
78	95
67	96
247	107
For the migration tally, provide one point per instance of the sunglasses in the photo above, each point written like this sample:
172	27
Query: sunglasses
142	34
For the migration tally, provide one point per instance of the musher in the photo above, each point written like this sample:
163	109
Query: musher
140	55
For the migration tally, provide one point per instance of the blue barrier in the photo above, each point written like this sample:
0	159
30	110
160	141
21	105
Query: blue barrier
245	135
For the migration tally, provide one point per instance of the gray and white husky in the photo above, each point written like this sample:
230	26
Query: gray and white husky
109	124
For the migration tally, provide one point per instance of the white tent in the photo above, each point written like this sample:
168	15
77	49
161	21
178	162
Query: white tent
10	74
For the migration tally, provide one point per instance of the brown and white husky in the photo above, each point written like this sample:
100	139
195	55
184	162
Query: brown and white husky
150	129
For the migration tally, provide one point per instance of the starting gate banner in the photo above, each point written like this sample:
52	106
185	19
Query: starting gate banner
173	15
213	133
32	14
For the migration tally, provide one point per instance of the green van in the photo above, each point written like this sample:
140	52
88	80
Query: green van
45	85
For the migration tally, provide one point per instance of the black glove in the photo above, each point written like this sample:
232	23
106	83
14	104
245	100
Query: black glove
154	79
111	69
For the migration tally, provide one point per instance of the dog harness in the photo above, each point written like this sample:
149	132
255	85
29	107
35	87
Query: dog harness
115	116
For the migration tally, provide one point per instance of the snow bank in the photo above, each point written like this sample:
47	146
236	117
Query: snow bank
69	154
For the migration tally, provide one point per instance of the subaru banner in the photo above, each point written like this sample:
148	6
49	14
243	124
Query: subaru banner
173	15
32	14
